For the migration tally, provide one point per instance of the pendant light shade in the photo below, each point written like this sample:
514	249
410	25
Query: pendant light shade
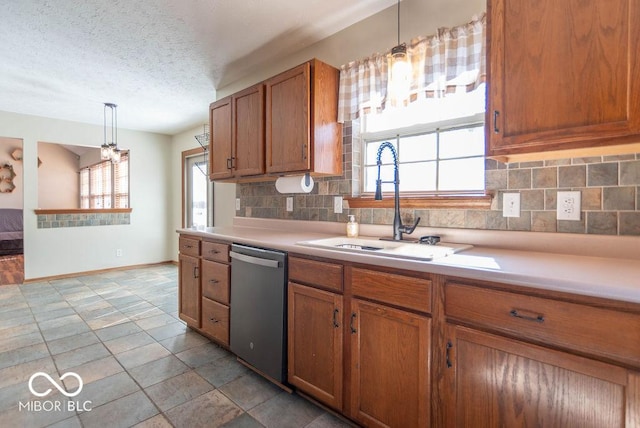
400	68
109	149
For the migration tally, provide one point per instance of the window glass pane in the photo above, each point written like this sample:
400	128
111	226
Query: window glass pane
462	142
372	152
462	174
418	147
416	177
371	174
199	198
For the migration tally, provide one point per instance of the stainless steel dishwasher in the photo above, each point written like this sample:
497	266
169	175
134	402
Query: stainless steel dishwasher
258	320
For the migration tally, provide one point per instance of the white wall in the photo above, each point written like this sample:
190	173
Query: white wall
50	252
58	177
12	199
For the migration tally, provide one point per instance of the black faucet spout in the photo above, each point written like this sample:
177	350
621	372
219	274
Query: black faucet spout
398	227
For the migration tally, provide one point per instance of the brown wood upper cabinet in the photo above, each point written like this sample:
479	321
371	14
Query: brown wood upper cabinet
562	75
302	133
237	135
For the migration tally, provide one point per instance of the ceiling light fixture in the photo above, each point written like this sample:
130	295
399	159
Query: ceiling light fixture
109	149
400	68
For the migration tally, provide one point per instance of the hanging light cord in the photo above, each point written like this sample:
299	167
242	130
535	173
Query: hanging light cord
398	21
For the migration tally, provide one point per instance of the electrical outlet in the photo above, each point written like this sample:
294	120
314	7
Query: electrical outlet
511	204
337	204
237	204
568	206
290	203
119	252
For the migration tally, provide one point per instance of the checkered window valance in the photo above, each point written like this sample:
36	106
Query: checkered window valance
444	62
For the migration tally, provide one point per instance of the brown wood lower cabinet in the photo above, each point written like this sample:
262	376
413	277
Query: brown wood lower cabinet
215	320
315	352
500	382
389	366
189	290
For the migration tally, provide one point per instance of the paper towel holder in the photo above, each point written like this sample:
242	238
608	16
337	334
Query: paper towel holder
295	183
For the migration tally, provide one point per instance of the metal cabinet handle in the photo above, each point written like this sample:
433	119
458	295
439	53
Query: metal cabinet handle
335	318
213	251
353	318
213	281
304	151
448	355
196	272
496	113
228	163
187	246
535	318
213	320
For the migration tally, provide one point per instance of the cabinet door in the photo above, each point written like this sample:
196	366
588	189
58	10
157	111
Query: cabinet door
502	382
189	290
315	343
248	132
390	384
220	139
288	121
562	74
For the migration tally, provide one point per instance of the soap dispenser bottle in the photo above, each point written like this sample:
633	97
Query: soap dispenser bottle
352	227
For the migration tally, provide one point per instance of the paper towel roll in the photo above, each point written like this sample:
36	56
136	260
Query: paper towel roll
294	184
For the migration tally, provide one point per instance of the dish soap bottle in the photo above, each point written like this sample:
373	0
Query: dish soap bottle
352	227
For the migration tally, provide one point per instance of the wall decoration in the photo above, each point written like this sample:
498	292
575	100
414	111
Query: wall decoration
6	178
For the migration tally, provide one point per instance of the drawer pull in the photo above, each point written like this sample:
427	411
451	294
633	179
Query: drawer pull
335	318
214	251
213	320
448	355
188	246
535	318
213	281
196	272
353	318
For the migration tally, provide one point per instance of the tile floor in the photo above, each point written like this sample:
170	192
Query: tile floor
140	365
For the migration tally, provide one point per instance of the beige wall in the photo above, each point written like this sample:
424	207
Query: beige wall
58	178
377	33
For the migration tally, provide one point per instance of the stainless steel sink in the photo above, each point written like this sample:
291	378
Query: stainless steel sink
399	249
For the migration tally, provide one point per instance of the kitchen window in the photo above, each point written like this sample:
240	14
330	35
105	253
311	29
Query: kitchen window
105	185
439	143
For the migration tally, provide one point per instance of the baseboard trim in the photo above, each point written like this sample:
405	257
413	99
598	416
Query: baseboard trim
95	272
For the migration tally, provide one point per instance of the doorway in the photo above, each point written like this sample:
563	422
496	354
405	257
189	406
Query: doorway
11	211
197	190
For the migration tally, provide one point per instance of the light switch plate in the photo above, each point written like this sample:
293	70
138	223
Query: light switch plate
568	206
289	203
511	205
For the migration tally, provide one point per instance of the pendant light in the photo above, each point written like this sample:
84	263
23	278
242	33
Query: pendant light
400	68
109	149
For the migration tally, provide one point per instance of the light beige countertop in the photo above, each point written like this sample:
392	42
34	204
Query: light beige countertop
607	267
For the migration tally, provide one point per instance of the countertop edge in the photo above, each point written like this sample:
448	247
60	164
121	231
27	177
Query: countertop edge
546	271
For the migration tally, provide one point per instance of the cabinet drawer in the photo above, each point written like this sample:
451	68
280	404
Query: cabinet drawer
596	331
189	246
400	290
215	251
215	281
313	272
215	320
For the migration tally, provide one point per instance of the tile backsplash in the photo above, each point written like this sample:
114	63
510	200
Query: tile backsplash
609	186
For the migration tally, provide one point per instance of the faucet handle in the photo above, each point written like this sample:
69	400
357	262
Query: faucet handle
409	230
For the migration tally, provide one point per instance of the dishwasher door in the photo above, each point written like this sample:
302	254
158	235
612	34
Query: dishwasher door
258	323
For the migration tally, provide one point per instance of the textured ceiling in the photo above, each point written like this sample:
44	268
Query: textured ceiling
159	60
